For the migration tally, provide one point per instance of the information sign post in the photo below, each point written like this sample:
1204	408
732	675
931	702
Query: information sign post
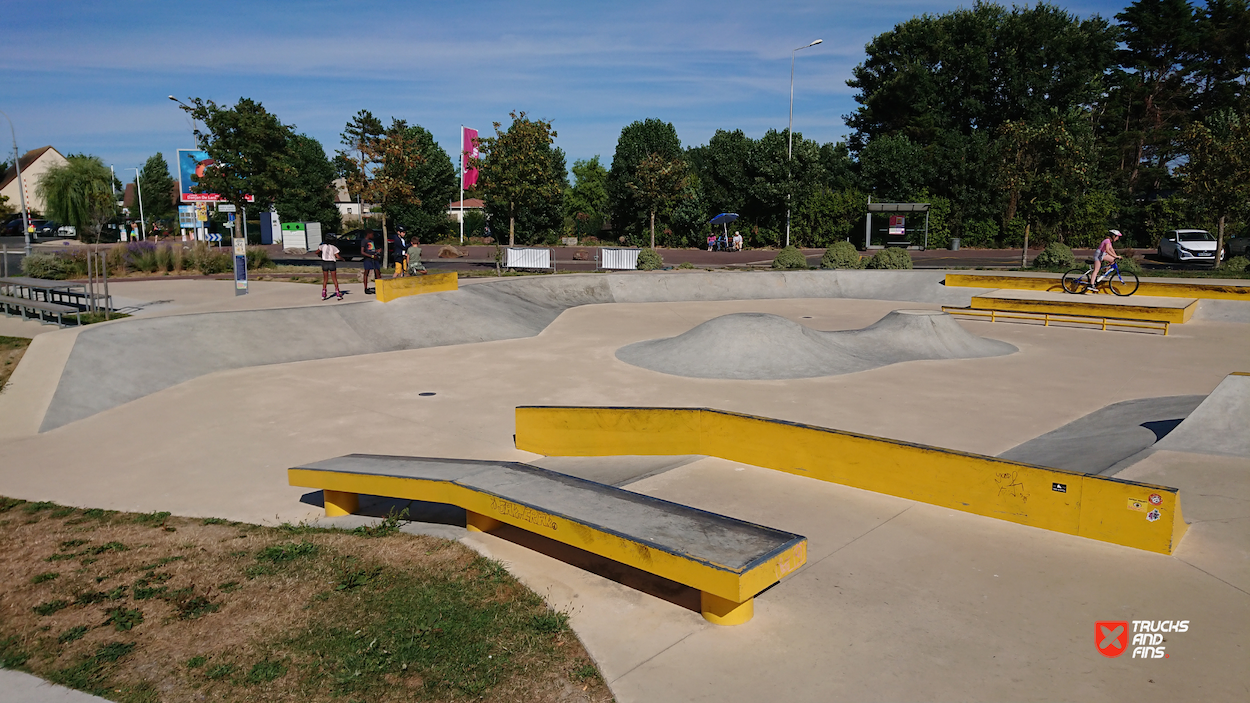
240	263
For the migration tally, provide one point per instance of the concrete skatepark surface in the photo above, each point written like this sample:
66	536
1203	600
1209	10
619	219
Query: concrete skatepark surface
759	346
898	601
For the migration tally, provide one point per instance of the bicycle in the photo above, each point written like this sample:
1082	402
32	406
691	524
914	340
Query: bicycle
1076	281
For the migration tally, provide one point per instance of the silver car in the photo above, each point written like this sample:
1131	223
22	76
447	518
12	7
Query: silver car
1189	245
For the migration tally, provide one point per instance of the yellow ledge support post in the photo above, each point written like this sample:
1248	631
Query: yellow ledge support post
394	288
340	503
477	522
721	611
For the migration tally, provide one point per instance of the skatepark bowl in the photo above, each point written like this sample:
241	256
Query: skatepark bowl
831	407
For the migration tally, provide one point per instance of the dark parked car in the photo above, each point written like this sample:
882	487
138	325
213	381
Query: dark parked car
14	226
47	229
349	243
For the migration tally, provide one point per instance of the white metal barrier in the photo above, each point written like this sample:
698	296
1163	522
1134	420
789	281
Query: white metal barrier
618	259
518	258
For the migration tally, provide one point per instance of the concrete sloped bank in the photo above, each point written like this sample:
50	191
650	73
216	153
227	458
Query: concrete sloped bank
760	346
114	364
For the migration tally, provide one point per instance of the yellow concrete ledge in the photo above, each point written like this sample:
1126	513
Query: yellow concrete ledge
1138	515
392	288
727	593
1051	282
1082	305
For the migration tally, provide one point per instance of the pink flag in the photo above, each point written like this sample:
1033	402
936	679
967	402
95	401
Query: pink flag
469	151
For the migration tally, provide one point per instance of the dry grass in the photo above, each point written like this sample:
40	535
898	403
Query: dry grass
11	351
158	608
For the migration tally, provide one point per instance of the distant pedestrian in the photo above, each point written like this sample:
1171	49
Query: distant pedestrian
371	259
737	240
329	268
400	256
711	242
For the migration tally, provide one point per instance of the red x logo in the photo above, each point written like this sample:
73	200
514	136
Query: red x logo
1111	638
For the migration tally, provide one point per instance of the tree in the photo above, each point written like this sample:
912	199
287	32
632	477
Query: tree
159	189
430	175
658	183
1217	172
521	175
360	131
250	150
586	201
894	168
1223	69
79	193
637	142
308	195
1046	167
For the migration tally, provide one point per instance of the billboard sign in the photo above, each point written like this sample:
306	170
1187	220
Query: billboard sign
191	166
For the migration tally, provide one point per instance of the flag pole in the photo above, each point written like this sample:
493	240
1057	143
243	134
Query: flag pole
462	160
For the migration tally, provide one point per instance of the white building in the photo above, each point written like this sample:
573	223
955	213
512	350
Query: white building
34	164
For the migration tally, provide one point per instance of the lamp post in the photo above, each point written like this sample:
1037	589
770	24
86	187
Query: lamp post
790	138
195	125
21	188
139	188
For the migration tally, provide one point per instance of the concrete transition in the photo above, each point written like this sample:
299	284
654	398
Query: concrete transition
759	346
1220	425
114	364
1104	438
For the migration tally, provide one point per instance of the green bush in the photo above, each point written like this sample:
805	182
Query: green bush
1128	264
258	259
1056	256
790	258
48	266
1237	264
164	258
841	255
892	258
208	261
649	260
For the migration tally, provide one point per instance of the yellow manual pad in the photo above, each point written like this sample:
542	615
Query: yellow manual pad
391	288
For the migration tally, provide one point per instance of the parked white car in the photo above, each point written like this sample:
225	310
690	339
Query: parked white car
1189	245
66	231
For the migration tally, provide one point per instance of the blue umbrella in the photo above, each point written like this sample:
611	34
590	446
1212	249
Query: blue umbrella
724	219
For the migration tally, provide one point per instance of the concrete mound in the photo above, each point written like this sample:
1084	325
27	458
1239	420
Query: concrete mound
760	346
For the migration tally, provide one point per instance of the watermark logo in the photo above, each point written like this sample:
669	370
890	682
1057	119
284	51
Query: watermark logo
1111	637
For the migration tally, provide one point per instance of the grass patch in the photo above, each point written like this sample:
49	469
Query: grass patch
11	351
220	610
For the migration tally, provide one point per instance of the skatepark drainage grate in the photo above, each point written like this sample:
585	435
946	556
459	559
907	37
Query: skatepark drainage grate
425	394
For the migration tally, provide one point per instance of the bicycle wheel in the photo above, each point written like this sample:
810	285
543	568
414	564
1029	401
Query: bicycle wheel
1125	283
1074	281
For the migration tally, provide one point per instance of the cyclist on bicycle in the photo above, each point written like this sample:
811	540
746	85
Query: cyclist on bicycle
1106	252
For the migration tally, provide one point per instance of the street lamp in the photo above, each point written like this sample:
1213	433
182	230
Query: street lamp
790	137
195	125
139	188
21	188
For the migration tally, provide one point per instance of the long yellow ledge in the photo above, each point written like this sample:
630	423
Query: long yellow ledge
1139	515
1187	288
388	289
728	560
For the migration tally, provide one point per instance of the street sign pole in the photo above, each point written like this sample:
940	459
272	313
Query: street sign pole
240	260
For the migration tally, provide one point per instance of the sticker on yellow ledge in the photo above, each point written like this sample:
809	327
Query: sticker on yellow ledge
1138	505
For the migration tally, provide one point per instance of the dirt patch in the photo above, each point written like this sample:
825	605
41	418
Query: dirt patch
152	607
11	351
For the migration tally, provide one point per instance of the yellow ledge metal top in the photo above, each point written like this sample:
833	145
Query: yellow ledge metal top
1204	288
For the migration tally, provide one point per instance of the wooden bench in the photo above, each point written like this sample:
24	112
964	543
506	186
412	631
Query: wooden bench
39	307
728	560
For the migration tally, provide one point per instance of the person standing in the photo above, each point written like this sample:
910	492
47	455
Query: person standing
329	268
370	255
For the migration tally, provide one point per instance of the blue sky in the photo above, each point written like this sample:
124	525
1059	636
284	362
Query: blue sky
93	77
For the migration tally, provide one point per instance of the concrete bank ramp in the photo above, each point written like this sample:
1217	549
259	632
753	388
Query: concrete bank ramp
1219	425
760	346
116	363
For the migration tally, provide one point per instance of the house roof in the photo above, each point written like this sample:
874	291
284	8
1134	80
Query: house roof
468	204
27	160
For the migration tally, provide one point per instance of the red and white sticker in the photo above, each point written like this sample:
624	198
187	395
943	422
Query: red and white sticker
1156	499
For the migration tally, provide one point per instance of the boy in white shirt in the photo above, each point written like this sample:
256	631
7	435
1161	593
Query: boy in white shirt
329	255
